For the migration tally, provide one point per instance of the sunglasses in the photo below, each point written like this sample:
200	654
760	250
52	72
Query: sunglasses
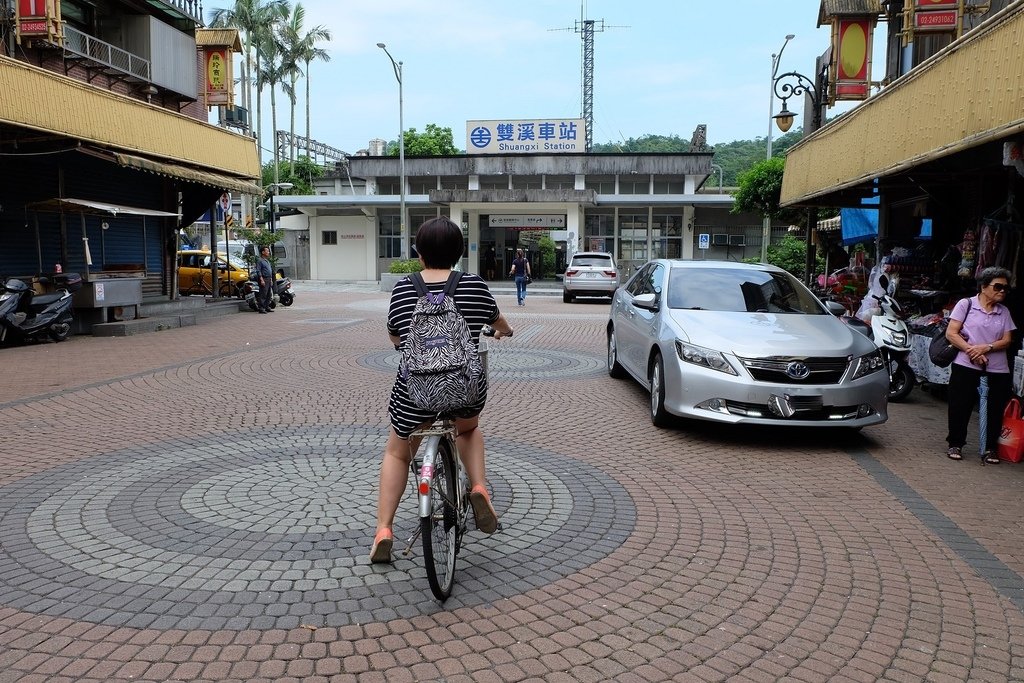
1000	287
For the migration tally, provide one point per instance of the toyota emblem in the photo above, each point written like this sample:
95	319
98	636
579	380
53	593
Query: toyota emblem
798	370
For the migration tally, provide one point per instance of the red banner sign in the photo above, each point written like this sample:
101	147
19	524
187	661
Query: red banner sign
935	4
852	55
936	21
33	17
218	75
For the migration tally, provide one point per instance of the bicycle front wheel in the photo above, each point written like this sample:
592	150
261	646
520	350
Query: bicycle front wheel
440	527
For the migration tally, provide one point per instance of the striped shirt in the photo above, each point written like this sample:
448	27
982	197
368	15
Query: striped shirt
477	306
474	299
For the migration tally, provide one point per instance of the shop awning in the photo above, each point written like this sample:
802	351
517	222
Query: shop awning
966	95
221	182
43	100
93	207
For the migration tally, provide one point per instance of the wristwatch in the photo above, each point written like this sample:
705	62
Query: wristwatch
991	347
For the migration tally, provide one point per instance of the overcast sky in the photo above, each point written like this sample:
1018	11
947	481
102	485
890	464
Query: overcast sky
660	66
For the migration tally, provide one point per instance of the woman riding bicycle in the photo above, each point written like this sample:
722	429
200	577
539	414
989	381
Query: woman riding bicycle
439	243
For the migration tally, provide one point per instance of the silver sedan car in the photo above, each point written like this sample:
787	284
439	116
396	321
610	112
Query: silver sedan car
742	343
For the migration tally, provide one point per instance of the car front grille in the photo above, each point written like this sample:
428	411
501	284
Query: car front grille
774	369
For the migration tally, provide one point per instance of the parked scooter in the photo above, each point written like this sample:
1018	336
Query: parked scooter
250	290
25	315
283	289
891	335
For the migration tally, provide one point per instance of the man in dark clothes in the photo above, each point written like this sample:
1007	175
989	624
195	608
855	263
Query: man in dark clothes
266	279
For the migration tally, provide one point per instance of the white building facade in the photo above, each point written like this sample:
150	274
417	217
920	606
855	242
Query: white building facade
636	206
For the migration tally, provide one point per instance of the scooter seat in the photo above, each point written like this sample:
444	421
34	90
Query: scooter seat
45	299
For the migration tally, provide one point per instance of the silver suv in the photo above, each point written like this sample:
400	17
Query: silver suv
590	273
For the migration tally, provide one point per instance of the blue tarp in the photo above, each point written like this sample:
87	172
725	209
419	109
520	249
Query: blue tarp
859	224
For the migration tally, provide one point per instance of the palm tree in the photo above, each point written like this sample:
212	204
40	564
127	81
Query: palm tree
252	18
272	68
302	48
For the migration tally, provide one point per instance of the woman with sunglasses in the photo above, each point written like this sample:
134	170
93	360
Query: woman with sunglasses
981	327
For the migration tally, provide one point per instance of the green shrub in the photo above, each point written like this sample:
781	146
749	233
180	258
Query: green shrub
412	265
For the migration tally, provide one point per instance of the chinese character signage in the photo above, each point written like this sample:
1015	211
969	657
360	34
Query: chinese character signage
527	221
531	136
218	75
851	39
39	19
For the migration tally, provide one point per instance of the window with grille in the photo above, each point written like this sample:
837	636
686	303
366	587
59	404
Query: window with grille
329	237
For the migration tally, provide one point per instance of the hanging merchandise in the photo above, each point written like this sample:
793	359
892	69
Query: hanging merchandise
986	248
967	251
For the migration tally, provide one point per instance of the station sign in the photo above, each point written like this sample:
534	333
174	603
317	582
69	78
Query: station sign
526	136
527	221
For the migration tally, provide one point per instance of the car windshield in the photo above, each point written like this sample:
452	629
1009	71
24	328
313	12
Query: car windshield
733	289
595	261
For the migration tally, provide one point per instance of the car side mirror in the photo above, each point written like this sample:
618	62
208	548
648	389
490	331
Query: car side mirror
835	308
646	301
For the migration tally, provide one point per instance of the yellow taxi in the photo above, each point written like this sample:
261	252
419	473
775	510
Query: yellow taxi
195	274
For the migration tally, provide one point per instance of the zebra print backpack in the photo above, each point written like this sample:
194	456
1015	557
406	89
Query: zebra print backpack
440	363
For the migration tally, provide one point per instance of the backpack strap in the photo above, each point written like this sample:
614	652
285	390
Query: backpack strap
452	284
418	283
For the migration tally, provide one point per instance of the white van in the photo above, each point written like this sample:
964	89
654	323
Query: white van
240	250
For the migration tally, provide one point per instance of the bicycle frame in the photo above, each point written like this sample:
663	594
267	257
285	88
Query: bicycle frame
424	478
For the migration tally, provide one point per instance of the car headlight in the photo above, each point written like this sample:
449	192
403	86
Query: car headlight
707	358
867	364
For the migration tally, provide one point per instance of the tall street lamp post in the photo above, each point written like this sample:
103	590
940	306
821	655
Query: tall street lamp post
766	231
273	187
793	84
401	154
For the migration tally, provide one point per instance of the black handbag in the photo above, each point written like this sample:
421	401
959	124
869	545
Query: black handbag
941	352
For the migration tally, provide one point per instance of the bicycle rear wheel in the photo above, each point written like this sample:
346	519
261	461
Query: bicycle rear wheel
440	528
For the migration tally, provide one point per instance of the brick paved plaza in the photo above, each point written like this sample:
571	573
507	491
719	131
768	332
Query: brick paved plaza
197	504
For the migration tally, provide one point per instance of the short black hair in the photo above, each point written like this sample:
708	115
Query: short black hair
439	243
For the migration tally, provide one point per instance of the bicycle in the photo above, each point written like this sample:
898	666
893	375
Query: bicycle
442	489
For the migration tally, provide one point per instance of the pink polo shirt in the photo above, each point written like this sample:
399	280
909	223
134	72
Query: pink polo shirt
980	327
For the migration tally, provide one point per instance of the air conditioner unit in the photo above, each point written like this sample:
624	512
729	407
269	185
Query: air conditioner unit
737	241
720	239
236	116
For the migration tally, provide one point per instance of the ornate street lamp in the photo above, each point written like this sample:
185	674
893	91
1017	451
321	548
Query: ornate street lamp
766	227
788	85
401	154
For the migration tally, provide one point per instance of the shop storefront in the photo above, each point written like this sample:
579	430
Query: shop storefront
942	166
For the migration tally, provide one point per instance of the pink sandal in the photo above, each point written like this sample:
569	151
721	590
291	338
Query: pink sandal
483	512
381	550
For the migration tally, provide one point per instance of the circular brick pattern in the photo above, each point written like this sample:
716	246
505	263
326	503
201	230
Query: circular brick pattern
512	363
271	530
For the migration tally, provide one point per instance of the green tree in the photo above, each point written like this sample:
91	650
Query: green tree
790	254
252	19
546	247
301	47
434	141
301	174
759	191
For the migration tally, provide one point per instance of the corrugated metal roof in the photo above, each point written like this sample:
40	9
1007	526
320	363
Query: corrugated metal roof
966	95
42	100
847	8
217	37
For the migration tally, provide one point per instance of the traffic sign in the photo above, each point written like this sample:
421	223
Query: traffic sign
703	241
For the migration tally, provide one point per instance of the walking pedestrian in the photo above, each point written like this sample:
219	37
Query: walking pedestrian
520	270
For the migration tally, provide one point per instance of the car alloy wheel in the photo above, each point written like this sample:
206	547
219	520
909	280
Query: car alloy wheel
659	416
614	368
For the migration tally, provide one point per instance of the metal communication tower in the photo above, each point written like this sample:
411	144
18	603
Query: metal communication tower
587	28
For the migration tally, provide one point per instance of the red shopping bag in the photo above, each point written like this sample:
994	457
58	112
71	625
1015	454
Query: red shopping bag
1011	437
